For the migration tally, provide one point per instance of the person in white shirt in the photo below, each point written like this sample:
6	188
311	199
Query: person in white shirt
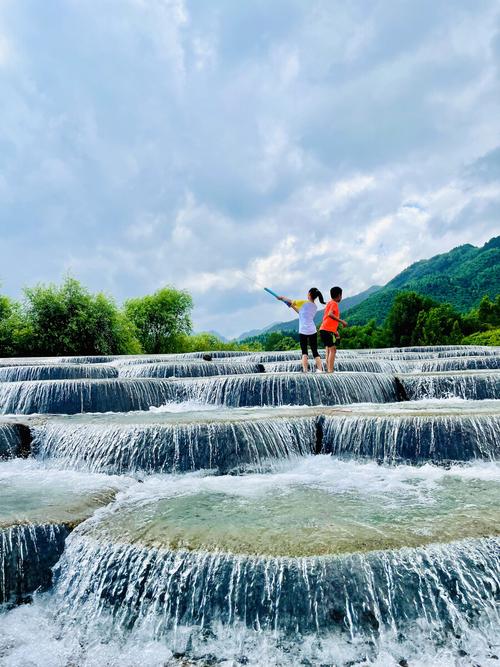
308	334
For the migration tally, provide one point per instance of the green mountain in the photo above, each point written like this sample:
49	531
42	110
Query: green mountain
461	277
292	325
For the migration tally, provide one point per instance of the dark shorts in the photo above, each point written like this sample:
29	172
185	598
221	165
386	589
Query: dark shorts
328	338
312	341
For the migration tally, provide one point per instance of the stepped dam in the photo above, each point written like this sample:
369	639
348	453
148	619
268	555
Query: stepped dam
225	509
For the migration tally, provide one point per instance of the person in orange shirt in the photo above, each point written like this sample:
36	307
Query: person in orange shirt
328	330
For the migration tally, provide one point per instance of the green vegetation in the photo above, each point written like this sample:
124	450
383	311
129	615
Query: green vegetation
206	342
460	277
491	337
274	341
69	320
412	320
161	320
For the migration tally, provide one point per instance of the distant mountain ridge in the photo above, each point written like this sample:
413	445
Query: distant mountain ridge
461	277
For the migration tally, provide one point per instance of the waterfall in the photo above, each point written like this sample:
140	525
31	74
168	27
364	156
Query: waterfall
475	386
291	389
27	554
340	518
413	438
56	372
15	440
189	369
359	364
74	396
447	585
470	352
9	440
222	446
464	363
218	354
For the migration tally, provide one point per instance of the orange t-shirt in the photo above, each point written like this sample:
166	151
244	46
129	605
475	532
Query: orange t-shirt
332	308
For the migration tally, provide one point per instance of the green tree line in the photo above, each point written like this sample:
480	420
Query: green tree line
69	320
412	320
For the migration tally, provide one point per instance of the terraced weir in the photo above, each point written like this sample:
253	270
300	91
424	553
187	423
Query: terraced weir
226	509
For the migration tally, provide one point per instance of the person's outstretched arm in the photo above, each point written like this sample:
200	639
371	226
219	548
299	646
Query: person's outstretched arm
289	302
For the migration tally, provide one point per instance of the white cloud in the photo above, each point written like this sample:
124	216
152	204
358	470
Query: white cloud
184	142
326	200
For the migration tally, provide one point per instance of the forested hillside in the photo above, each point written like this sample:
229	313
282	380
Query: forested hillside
460	277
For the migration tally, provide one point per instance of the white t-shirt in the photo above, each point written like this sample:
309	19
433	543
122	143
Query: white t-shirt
307	311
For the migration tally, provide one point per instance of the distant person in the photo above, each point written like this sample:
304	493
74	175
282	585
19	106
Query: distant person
308	334
328	330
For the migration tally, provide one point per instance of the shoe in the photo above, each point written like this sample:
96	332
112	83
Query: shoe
319	371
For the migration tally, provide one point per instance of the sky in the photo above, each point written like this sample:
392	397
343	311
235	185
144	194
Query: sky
220	146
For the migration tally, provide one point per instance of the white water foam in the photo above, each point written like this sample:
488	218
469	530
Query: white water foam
388	483
30	636
185	406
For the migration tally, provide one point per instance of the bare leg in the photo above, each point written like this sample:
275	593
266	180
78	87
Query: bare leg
305	363
331	359
319	364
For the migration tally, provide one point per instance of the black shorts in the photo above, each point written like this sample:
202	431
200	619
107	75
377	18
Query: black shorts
328	338
312	341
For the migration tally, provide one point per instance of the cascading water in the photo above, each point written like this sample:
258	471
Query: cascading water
467	385
181	369
10	440
167	446
465	363
289	389
323	552
56	372
74	396
38	509
27	555
362	593
209	529
357	364
416	438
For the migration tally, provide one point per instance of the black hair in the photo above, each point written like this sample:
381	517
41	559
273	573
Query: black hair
335	292
316	294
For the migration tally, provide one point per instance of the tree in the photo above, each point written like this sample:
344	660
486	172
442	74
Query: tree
491	337
438	326
12	327
367	336
277	341
69	320
488	311
403	316
161	320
